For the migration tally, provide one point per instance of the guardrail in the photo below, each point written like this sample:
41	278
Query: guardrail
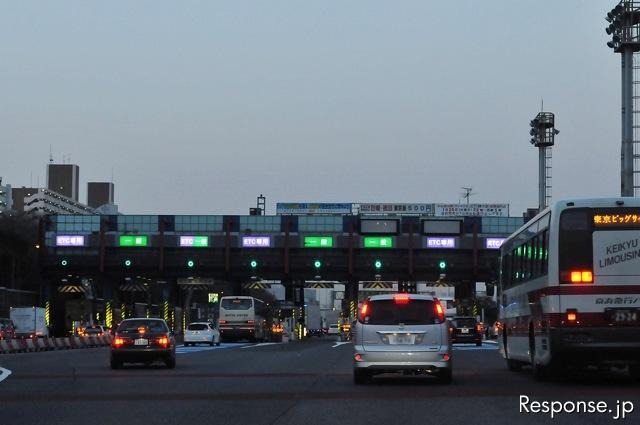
48	344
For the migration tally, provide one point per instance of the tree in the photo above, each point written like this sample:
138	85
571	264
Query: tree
19	262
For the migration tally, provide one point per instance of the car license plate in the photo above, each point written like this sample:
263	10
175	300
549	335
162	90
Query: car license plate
402	339
141	341
623	315
464	330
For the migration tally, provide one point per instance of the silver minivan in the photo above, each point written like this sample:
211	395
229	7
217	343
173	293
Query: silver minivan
401	333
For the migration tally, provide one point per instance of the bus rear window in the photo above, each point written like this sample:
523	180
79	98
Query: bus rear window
236	304
575	245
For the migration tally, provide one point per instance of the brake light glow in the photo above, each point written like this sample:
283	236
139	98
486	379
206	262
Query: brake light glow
364	311
572	315
357	357
438	310
164	341
118	342
577	276
401	299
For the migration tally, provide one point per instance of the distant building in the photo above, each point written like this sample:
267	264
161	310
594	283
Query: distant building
64	179
18	194
45	201
6	197
99	194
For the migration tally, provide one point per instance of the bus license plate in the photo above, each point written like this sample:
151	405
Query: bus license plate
623	315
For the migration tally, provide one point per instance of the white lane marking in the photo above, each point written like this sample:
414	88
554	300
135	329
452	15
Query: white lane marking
474	348
4	373
338	344
262	344
196	349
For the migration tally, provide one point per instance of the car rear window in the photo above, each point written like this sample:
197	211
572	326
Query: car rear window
197	327
464	322
150	325
388	312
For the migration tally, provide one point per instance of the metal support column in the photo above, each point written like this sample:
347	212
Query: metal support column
626	169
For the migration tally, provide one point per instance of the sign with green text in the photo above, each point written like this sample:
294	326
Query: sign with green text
134	240
318	241
378	242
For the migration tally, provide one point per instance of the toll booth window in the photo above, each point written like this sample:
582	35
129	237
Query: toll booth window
236	304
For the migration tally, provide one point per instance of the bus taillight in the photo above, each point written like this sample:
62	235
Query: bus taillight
577	276
572	316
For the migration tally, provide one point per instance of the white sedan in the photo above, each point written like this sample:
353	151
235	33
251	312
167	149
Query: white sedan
201	332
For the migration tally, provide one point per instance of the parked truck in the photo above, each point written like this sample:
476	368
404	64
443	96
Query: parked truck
29	322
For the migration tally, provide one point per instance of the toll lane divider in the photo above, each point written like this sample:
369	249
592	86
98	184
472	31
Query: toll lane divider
46	344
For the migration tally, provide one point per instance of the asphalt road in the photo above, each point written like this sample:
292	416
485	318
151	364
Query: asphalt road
306	383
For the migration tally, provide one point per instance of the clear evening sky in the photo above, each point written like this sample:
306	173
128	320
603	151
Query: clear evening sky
198	107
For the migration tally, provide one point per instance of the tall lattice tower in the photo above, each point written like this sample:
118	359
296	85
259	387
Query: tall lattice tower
624	28
543	132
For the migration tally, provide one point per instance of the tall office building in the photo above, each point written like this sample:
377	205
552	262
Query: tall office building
99	194
64	179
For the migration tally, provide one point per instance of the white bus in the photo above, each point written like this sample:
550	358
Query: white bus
569	288
243	317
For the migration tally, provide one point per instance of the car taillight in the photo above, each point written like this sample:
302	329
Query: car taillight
164	341
576	276
438	310
401	298
118	341
478	328
364	311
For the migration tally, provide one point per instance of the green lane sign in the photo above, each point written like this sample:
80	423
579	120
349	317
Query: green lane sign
134	240
318	241
378	242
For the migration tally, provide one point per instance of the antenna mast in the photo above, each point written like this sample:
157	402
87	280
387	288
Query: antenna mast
467	193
